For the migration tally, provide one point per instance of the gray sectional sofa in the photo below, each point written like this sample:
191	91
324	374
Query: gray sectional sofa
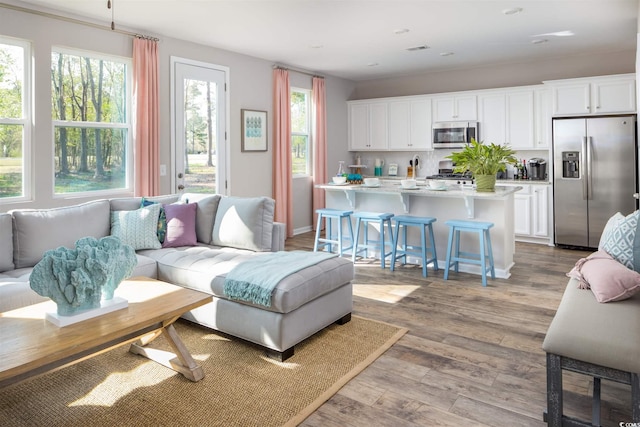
229	231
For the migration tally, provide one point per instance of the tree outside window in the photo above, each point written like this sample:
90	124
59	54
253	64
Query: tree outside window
14	106
300	132
90	100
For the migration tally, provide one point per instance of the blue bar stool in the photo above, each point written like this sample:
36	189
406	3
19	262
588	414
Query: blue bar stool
366	218
330	239
404	221
482	228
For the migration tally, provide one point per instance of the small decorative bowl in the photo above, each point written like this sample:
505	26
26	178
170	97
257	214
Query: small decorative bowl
339	179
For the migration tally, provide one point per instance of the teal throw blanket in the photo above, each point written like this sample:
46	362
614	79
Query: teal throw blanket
254	279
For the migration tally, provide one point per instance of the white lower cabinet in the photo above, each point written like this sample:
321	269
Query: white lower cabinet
522	211
540	210
531	213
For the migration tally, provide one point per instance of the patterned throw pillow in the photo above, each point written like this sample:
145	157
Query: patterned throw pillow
137	228
162	219
622	241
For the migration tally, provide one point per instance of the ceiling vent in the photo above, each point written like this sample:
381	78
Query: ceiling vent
413	49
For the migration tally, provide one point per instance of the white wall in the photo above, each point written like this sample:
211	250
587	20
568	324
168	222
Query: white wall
250	87
503	75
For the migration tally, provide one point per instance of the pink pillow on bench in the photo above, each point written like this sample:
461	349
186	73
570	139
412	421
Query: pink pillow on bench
607	278
181	225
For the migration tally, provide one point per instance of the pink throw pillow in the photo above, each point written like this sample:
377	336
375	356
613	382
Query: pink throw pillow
181	225
607	278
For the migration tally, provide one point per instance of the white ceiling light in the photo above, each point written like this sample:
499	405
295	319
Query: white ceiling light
446	53
539	41
401	31
316	46
421	47
512	11
372	64
566	33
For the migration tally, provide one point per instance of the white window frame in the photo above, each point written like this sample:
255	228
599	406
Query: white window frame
26	121
128	125
308	134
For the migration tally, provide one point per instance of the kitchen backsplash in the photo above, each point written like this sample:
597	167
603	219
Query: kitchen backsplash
428	160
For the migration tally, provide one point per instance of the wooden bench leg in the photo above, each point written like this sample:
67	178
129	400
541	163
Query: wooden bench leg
554	390
595	404
635	398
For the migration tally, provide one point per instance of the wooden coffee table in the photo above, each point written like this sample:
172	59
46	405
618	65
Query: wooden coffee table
31	345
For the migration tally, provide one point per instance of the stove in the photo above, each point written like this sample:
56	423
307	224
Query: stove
462	178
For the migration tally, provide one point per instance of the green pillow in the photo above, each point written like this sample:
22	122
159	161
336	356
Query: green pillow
162	219
137	228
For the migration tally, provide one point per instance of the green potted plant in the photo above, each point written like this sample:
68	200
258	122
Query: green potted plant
484	161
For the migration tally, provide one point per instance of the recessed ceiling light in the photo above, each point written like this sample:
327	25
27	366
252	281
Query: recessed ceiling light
421	47
539	41
316	46
512	11
401	31
446	53
372	64
566	33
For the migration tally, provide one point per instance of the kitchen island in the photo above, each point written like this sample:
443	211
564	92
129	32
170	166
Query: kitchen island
454	202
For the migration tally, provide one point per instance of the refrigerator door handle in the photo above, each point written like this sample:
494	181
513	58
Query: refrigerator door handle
589	167
584	174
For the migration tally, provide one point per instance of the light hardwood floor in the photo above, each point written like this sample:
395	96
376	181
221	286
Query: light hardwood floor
472	356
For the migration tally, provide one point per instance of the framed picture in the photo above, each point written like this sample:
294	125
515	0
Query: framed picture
254	130
393	169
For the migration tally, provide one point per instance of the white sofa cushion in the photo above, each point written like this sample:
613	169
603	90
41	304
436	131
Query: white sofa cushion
36	231
6	242
244	223
204	268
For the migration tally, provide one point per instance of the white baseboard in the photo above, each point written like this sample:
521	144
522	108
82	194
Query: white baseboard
302	230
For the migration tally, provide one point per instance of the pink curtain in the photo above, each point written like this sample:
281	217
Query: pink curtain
146	128
319	144
282	180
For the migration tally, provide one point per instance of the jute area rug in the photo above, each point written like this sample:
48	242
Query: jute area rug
242	387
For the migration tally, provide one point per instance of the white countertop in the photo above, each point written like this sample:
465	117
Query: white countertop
453	190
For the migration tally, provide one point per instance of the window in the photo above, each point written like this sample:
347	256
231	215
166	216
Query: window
300	131
90	103
15	110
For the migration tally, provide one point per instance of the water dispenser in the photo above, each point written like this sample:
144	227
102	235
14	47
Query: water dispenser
570	164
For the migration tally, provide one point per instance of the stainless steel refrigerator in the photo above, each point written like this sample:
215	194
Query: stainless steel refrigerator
594	176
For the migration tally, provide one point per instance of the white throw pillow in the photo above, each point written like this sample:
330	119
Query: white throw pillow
244	223
137	228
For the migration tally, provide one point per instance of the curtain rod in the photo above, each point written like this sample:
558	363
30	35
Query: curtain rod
297	70
76	21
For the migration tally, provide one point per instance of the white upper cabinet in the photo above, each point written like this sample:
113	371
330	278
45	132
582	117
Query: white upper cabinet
492	118
507	117
410	124
390	124
367	126
596	95
520	120
543	118
455	108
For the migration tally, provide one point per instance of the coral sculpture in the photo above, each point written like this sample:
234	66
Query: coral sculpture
78	279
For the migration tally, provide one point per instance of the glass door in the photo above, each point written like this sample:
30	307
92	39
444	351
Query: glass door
200	121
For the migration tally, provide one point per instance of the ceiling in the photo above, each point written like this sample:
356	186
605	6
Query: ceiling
345	38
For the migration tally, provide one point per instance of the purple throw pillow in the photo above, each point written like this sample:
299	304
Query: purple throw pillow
181	225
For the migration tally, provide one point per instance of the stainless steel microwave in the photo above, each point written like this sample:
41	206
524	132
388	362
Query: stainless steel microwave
454	134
